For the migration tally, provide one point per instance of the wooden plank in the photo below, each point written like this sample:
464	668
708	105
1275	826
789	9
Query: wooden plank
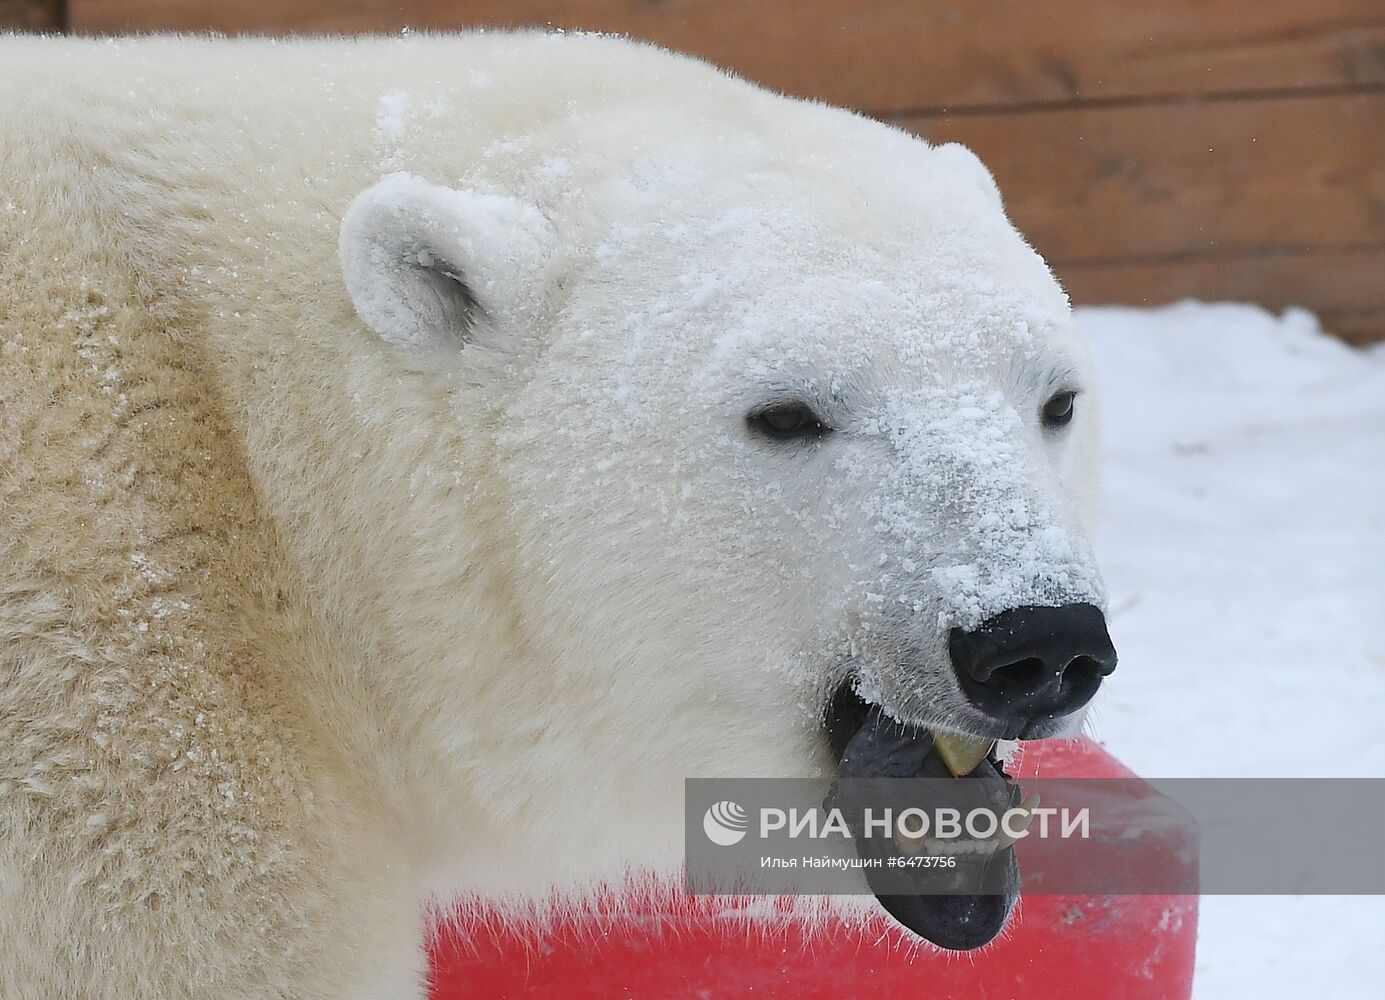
31	15
1196	177
882	55
1345	288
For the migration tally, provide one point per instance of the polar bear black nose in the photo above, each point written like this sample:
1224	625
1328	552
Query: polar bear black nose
1030	665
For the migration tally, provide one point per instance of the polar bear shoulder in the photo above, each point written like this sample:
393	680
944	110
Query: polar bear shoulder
165	813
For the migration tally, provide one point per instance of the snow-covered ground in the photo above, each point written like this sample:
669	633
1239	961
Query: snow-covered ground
1244	547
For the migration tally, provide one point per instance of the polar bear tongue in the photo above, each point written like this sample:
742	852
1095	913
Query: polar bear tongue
884	748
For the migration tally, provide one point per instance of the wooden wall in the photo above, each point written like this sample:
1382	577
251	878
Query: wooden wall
1151	150
31	15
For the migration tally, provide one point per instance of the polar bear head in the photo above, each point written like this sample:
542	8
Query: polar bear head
787	427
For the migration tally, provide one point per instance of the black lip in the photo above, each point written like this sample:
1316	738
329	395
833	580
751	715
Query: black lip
846	714
866	744
957	923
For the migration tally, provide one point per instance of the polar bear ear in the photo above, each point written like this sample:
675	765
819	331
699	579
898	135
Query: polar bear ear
969	164
427	265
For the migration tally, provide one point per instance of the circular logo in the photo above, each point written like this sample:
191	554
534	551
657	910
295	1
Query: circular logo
725	823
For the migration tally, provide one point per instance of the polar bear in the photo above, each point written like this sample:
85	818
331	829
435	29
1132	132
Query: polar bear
420	455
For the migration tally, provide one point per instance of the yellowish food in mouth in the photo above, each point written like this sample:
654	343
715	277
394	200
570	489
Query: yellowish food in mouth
961	754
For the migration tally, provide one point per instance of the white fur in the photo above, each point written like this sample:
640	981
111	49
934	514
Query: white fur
327	594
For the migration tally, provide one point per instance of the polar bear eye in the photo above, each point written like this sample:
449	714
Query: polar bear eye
783	421
1057	412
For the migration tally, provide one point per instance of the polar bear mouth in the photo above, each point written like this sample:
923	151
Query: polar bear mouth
868	744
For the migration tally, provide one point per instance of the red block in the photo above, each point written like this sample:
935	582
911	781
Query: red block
647	946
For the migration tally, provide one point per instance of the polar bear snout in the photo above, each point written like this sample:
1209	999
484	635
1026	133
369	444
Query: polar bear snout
1029	667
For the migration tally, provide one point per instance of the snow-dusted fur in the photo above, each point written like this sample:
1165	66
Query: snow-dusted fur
379	514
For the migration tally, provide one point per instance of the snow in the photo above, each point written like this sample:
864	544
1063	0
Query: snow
1243	544
392	117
